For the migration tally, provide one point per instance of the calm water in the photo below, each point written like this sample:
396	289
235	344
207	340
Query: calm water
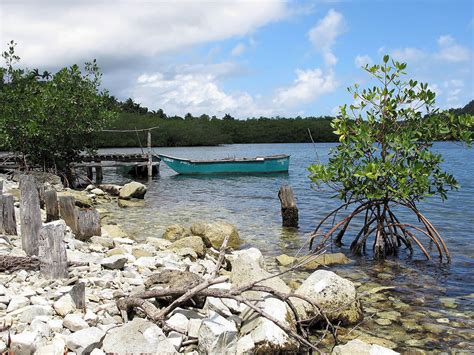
433	291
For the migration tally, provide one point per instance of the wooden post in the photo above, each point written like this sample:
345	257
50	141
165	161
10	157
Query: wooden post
51	204
150	156
40	187
98	172
88	224
52	250
78	295
7	215
1	187
289	211
67	210
90	174
30	214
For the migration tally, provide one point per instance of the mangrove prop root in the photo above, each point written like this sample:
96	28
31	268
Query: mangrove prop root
380	223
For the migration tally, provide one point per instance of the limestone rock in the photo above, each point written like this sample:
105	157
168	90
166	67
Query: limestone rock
158	243
82	198
179	322
114	262
137	336
74	322
325	259
217	335
55	347
111	189
132	190
216	232
64	305
98	192
131	203
174	232
23	343
17	302
336	296
285	260
85	340
194	242
140	253
31	312
105	242
113	231
358	347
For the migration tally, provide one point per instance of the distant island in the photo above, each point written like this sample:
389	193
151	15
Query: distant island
205	130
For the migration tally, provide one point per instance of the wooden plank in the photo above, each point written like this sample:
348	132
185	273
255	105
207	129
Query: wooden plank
30	214
289	211
67	211
52	206
88	224
7	216
52	250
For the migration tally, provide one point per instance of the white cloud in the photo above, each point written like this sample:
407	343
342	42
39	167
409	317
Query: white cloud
409	54
308	86
324	35
52	32
238	49
362	60
450	51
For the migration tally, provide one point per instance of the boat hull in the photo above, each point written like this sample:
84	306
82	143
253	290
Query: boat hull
253	166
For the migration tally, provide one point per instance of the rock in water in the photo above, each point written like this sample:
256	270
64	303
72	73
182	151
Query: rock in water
336	296
111	189
174	232
85	340
131	203
357	346
113	231
325	259
216	232
132	190
136	337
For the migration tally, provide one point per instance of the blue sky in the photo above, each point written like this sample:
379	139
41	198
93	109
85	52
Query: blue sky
248	58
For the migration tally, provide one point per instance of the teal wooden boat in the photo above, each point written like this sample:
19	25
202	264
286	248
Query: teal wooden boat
270	164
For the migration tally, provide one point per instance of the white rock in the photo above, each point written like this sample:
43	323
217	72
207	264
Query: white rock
98	192
245	345
55	347
40	327
119	241
359	347
176	339
31	312
97	352
17	302
158	243
193	327
5	300
217	335
90	316
146	261
23	343
56	325
64	305
114	262
179	322
85	340
250	255
38	300
3	289
3	346
74	322
132	189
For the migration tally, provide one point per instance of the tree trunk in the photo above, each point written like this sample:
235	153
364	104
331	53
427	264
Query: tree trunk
7	215
30	214
52	206
289	211
52	251
67	210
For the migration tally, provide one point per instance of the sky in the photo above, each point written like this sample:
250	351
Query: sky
247	58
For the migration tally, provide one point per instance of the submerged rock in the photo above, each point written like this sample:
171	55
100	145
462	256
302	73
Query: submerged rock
336	296
216	232
325	259
130	203
132	190
360	348
113	231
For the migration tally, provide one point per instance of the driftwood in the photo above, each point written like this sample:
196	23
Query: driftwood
67	210
10	263
51	205
52	251
140	300
7	215
289	211
88	224
30	214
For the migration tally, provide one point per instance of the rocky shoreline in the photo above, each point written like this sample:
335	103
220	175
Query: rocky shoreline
40	316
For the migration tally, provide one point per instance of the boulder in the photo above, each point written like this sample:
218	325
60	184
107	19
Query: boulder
285	260
75	322
193	242
130	203
173	279
336	296
216	232
359	347
23	343
85	340
179	322
82	198
217	335
111	189
132	190
17	302
55	347
113	231
135	337
114	262
98	192
31	312
64	305
175	232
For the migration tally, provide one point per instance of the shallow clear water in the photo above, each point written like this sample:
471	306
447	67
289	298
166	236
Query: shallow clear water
251	203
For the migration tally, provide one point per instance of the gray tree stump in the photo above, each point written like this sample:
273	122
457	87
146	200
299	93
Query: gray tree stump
30	214
67	211
51	205
88	224
7	215
52	250
289	211
78	295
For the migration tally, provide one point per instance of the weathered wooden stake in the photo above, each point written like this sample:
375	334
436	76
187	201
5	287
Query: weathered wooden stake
7	215
52	250
90	173
98	172
150	157
88	224
30	214
289	211
40	187
51	204
67	211
78	295
1	187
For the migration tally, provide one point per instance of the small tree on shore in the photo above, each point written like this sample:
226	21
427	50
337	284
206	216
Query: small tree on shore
384	162
50	119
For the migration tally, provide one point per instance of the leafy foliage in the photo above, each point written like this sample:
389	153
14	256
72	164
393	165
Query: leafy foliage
51	118
384	157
